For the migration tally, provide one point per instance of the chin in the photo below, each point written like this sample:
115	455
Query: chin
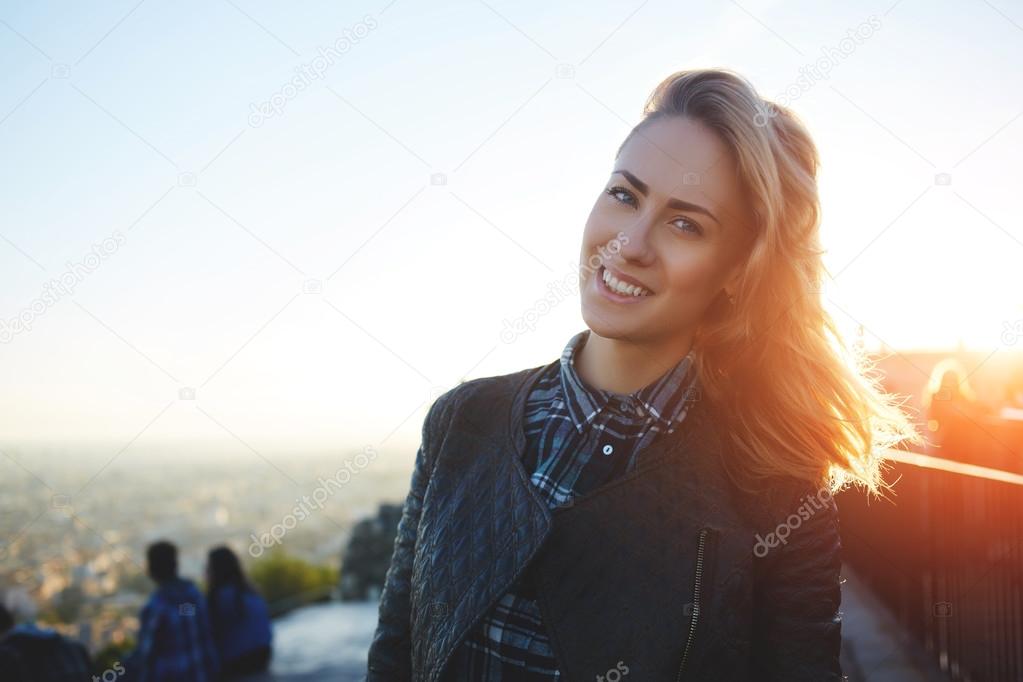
609	327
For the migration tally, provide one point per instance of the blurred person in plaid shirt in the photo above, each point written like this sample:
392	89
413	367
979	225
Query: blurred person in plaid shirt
175	641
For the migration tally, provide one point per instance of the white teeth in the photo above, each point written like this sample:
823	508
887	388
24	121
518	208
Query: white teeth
622	288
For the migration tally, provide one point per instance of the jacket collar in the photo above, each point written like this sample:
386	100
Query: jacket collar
676	445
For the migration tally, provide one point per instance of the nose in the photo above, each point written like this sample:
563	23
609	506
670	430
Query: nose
635	240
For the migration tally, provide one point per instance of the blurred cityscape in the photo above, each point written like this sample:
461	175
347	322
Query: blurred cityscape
72	553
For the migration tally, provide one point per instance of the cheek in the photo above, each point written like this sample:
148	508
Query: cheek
693	272
605	220
592	230
599	236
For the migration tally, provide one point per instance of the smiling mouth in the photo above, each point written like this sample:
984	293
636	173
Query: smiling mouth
619	288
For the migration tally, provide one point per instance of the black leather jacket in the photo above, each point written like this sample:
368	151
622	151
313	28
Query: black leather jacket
667	573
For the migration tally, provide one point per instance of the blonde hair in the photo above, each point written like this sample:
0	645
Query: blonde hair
798	399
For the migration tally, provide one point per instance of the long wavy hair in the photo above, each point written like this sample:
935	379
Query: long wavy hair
799	399
224	569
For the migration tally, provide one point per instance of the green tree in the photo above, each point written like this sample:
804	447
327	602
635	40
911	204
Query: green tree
287	582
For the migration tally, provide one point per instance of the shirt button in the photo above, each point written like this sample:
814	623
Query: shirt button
608	449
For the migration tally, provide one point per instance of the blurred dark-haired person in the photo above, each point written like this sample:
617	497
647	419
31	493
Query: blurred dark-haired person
32	654
239	616
175	643
954	416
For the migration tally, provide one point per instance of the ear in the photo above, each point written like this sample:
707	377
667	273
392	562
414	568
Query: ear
731	284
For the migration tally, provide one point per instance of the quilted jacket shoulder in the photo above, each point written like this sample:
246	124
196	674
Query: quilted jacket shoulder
391	650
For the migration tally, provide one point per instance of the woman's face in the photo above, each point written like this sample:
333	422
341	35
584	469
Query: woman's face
670	218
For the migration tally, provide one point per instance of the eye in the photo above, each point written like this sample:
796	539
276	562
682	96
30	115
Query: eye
617	191
694	227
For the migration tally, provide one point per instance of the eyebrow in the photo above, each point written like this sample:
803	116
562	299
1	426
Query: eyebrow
672	203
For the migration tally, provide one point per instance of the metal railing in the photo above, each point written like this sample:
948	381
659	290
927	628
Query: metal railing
946	556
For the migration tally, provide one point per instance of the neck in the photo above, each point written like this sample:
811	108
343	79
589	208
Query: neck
623	367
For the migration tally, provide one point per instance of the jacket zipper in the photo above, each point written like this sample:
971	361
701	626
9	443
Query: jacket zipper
696	600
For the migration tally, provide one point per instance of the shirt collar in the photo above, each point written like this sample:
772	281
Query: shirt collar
664	399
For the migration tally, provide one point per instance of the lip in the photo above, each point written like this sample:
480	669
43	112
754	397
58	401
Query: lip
614	296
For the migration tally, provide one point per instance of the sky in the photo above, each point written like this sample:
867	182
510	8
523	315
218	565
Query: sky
198	255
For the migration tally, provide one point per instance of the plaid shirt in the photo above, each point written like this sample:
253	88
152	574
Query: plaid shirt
577	438
175	641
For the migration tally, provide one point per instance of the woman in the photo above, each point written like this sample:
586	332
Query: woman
238	615
955	416
656	503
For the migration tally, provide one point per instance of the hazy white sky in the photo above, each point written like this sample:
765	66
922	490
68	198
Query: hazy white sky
138	123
